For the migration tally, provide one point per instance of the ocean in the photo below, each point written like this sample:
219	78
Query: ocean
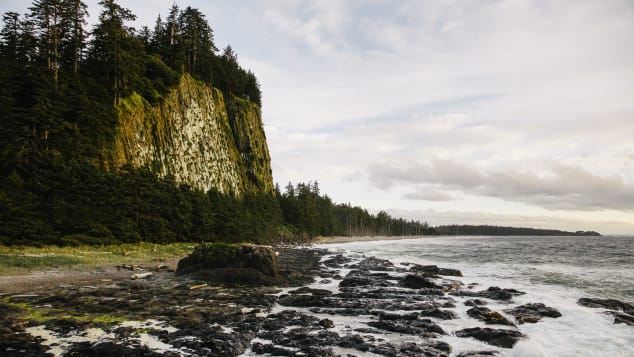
556	271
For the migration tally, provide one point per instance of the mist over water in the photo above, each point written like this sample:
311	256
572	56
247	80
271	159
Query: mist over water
556	271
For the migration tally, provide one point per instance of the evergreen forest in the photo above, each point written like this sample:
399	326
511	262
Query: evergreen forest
61	84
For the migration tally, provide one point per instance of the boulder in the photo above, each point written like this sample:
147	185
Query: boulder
489	316
610	304
373	263
493	293
477	354
432	270
475	302
419	282
622	318
495	337
424	328
232	263
531	313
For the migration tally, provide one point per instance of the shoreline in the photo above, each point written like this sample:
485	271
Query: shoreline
346	239
341	300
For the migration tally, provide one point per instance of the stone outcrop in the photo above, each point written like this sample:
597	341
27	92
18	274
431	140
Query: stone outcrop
531	313
496	337
230	263
198	136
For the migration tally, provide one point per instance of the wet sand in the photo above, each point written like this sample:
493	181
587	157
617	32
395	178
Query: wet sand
82	275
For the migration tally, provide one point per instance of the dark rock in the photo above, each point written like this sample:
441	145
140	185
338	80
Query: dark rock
110	349
315	292
495	337
270	349
389	316
610	304
623	318
449	272
230	262
493	293
531	313
309	340
348	311
373	263
304	301
354	341
489	316
429	270
337	261
326	323
424	327
419	282
438	313
360	278
432	270
477	354
428	349
475	302
288	318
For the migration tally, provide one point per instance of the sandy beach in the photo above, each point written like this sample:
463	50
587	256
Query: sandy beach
342	239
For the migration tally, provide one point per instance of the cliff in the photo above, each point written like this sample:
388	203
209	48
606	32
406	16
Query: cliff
198	136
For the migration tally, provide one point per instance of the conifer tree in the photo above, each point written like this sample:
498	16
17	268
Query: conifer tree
10	35
48	19
109	45
74	41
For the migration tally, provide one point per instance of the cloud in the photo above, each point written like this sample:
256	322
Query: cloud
428	195
439	217
562	187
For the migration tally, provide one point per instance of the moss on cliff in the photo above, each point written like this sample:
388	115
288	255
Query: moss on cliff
197	136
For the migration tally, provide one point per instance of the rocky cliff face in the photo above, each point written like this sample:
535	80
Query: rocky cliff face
198	136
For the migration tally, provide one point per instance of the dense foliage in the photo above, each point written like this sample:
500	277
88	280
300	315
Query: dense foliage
506	231
61	85
306	212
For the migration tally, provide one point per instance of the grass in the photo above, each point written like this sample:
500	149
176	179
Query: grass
44	314
16	259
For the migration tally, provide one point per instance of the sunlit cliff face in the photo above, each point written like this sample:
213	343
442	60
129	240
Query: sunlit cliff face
198	136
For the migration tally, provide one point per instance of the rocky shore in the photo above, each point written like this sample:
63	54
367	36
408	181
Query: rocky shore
318	304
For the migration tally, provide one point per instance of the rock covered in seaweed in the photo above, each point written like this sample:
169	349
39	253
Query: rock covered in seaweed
232	263
489	316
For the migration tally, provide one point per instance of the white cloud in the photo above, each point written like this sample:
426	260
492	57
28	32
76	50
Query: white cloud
562	187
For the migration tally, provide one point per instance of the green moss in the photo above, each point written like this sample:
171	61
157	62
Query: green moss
29	312
132	103
32	262
147	133
218	253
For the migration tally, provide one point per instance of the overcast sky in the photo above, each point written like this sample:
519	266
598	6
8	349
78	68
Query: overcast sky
480	112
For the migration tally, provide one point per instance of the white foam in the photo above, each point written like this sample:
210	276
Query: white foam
580	331
58	345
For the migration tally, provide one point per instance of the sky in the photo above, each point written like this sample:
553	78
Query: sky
474	112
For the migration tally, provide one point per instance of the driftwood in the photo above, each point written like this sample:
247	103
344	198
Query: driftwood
198	286
162	267
140	275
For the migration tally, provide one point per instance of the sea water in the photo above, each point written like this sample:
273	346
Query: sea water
556	271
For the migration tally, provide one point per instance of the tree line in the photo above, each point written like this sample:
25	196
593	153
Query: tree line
308	213
489	230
